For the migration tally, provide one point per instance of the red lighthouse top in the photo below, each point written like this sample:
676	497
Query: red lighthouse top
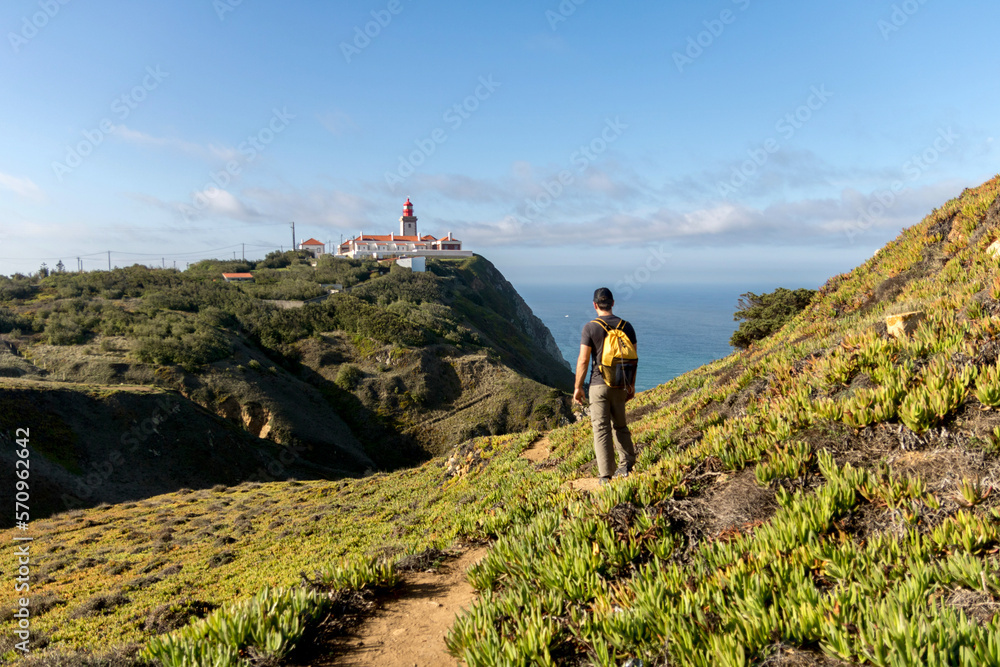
408	208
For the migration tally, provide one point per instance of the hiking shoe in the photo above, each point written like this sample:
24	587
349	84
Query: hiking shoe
623	471
603	480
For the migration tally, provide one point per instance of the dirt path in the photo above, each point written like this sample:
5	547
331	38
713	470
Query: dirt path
539	452
584	484
409	627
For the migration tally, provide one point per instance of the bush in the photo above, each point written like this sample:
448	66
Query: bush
415	288
277	260
17	288
297	289
11	321
65	330
172	338
355	316
189	350
348	377
763	314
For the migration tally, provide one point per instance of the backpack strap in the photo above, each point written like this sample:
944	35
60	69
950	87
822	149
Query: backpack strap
603	325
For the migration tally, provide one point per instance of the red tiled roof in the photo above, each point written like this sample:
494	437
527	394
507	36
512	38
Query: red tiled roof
312	242
237	275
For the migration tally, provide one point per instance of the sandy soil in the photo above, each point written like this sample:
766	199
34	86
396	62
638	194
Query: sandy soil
538	451
584	484
409	627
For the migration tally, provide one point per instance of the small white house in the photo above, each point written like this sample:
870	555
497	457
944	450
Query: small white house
316	248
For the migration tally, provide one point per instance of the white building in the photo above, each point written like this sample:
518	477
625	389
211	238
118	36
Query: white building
405	244
313	246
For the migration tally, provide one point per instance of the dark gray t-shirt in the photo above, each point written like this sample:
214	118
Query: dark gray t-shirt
593	335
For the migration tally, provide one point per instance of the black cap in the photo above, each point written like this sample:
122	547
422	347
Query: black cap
603	298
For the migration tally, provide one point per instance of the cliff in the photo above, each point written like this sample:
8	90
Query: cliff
402	367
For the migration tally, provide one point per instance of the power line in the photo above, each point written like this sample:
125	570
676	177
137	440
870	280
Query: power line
117	256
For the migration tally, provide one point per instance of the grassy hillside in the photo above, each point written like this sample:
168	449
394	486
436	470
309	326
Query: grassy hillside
824	497
402	366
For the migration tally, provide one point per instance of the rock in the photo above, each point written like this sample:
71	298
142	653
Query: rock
903	324
994	249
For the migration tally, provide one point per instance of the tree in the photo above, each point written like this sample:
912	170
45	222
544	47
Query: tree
60	267
763	314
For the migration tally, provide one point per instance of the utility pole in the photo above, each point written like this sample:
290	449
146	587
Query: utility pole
293	235
163	261
109	260
244	252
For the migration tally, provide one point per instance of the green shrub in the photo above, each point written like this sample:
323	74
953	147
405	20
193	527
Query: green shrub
65	330
16	288
297	289
348	377
11	321
763	314
189	349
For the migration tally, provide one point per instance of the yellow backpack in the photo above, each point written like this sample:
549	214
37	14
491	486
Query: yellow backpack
618	360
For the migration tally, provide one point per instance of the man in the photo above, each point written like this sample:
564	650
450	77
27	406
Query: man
607	404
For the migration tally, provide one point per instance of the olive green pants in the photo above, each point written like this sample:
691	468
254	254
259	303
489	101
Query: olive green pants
611	434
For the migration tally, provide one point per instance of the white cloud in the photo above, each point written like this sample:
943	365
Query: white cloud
815	222
211	151
24	187
338	122
324	210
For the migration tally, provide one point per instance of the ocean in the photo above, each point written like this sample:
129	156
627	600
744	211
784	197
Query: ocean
679	327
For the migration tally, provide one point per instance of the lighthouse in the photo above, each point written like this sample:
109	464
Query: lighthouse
408	223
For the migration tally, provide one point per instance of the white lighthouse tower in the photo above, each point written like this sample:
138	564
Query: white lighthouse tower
408	223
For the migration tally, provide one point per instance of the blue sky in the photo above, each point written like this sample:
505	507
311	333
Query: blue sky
731	141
